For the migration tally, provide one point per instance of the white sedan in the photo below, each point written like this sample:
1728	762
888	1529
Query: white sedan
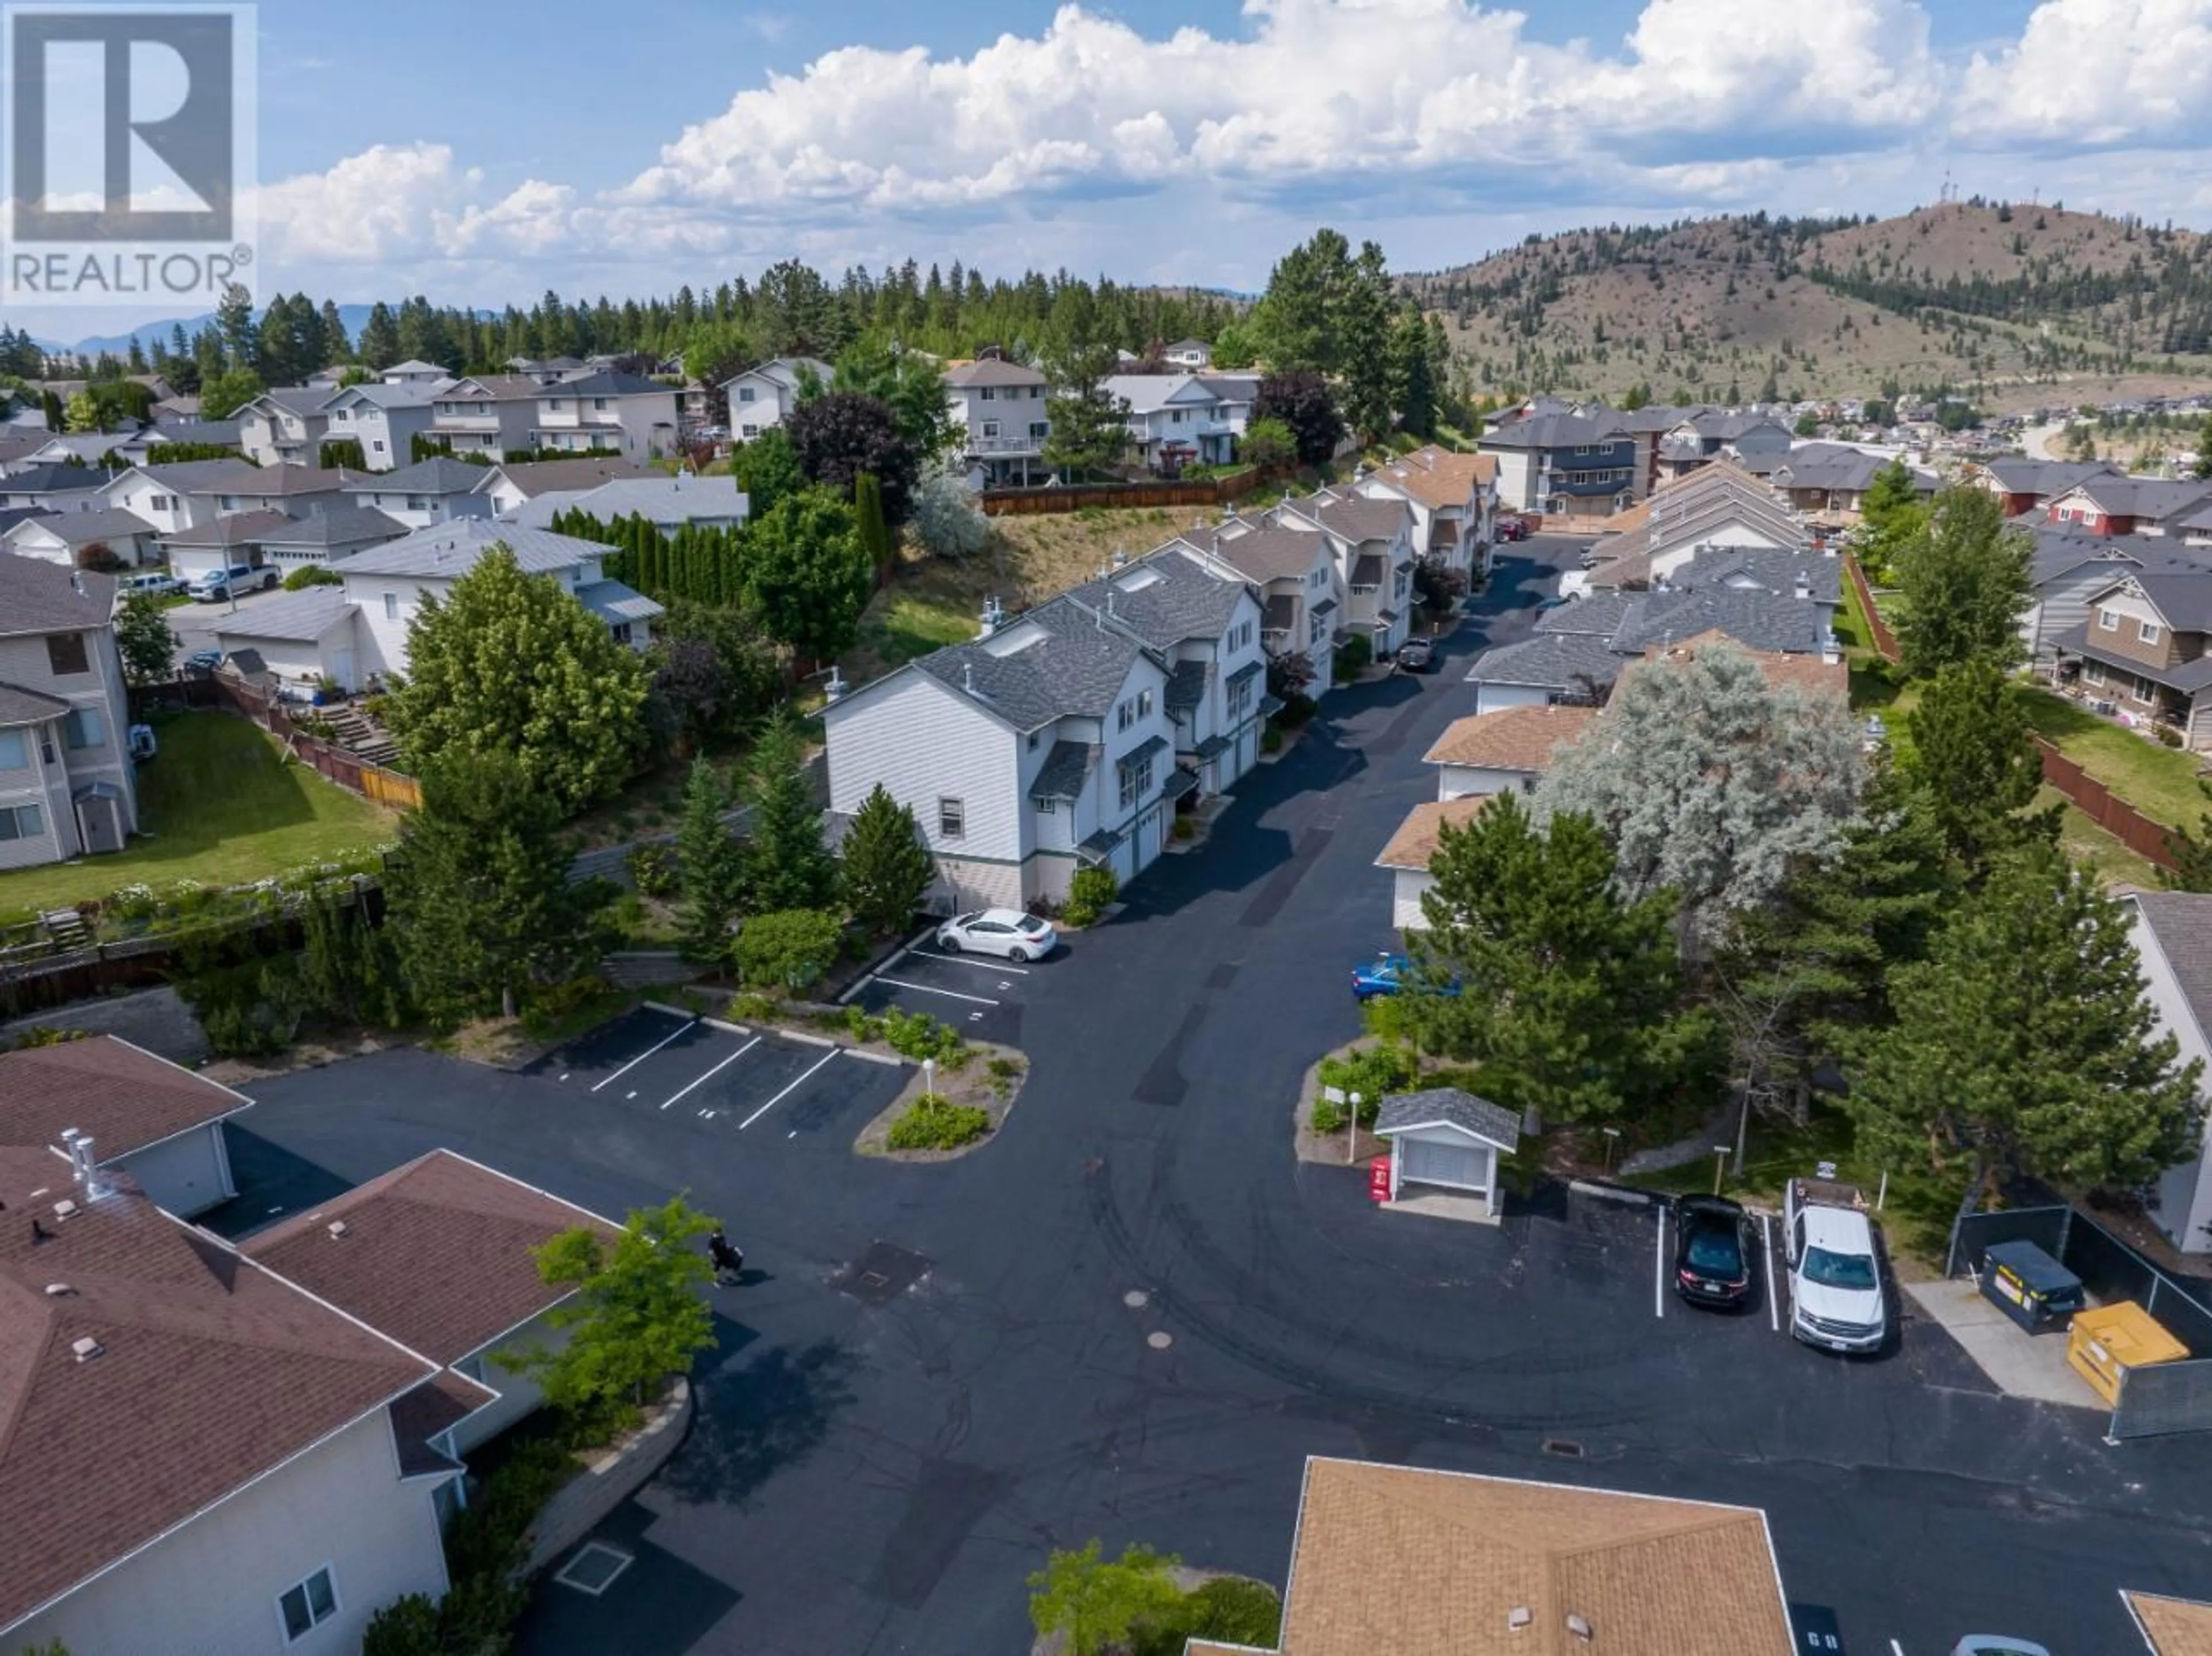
1007	932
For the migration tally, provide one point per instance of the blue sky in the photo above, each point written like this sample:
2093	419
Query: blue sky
424	147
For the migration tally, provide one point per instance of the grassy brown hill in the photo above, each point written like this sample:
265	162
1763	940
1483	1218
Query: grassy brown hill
2021	303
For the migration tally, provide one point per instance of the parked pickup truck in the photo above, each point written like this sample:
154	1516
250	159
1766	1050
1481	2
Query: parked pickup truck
1835	1281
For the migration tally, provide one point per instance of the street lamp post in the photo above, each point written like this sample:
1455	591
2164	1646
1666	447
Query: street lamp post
1612	1138
1720	1166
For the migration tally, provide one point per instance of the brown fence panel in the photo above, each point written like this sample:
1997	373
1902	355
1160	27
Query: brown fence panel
2146	836
1121	496
1884	641
389	788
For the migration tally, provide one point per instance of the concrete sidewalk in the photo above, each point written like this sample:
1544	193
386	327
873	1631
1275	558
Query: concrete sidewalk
2026	1365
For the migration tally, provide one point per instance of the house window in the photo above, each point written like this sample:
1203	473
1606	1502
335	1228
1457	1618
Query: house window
598	402
621	630
2094	672
22	822
1397	587
1136	782
1316	577
1040	430
952	819
750	430
1314	628
744	394
392	606
14	751
376	445
990	427
84	727
1048	808
304	1608
1139	706
2109	620
2144	690
415	504
553	403
66	654
2147	631
988	394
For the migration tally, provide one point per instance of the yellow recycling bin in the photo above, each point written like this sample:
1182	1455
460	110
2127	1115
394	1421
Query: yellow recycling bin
2103	1344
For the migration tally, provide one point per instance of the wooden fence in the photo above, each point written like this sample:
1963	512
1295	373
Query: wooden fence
1073	497
347	769
1878	633
2146	837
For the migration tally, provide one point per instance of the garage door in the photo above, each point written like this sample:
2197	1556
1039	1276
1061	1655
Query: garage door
1464	1167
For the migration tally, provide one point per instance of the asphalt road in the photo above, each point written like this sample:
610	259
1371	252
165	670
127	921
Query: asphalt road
879	1477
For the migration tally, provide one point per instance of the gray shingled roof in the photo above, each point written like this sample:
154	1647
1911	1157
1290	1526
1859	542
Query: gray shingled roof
1165	598
296	400
2183	595
2153	498
612	601
1777	569
658	500
606	382
1057	660
2182	923
52	477
991	371
1493	1123
36	596
1758	619
82	528
1549	662
1598	614
19	707
237	529
1549	431
305	615
278	482
451	550
1356	517
440	474
341	525
2017	474
535	477
194	477
1062	775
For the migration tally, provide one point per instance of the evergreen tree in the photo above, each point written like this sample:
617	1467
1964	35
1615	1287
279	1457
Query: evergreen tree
1090	424
2026	1043
1413	383
1963	579
887	868
2192	858
711	863
868	517
785	864
1971	757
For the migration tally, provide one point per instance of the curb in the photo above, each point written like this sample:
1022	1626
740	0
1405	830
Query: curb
673	1012
726	1027
1606	1192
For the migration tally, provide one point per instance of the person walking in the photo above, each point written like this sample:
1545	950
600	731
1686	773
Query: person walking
729	1260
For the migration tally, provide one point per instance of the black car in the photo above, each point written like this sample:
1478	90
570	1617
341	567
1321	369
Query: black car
1417	655
1713	1250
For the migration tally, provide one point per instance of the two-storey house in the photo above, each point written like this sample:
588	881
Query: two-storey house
385	419
170	494
1453	498
2023	486
1176	420
1372	540
415	371
487	416
284	427
1292	568
1042	747
1208	629
68	787
999	420
113	539
434	491
1697	438
764	394
2113	504
605	412
1830	480
52	487
1570	465
1193	354
2144	648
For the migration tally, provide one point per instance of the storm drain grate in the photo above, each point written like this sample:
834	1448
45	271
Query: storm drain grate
882	1274
1565	1447
593	1568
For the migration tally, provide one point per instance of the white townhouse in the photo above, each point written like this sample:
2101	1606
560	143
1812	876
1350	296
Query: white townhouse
284	427
68	784
999	420
764	394
1040	747
1193	354
606	412
1453	498
1185	419
1293	567
415	371
1206	626
2172	933
434	491
1372	541
385	419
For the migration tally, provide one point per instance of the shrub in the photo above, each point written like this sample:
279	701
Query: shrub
933	1121
1373	1073
1271	740
861	1027
2168	735
1229	1610
405	1626
946	519
916	1035
1297	709
551	1005
1185	828
759	1009
314	575
788	949
1351	658
1088	894
654	870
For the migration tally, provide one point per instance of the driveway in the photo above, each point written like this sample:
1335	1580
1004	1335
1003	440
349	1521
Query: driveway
195	623
1132	1315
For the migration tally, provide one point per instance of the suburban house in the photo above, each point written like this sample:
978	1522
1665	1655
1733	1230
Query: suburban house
999	420
1207	630
1702	435
90	540
2068	568
1453	497
434	491
170	494
68	785
384	585
1718	505
325	538
415	371
545	370
489	415
1294	569
1487	754
1414	846
446	1220
516	481
135	1113
2142	647
1829	480
54	487
1443	1138
295	490
2113	504
764	394
1045	745
2024	485
384	418
233	538
1420	1563
668	504
1372	540
605	412
1193	354
300	638
2173	934
1565	464
285	426
1185	419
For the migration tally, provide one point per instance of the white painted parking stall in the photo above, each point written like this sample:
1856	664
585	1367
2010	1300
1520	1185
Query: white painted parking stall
979	995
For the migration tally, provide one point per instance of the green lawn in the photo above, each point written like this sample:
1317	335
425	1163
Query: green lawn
2159	781
911	624
217	807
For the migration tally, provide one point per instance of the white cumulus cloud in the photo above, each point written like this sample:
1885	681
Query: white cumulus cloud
2095	73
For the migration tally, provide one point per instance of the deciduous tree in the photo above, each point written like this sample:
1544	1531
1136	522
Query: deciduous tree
1300	400
143	637
842	434
807	575
1098	1603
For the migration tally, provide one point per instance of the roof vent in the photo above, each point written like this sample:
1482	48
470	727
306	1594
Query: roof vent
58	1290
86	1347
336	1228
64	1207
1518	1618
1580	1628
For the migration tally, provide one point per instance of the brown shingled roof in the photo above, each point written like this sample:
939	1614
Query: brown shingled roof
436	1252
1425	1563
210	1372
2172	1627
1422	831
125	1097
1510	739
1437	476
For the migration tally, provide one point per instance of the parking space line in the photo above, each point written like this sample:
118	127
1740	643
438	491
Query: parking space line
716	1070
787	1091
1773	1286
647	1053
963	960
1659	1266
951	994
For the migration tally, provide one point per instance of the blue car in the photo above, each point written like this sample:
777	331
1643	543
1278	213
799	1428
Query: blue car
1386	974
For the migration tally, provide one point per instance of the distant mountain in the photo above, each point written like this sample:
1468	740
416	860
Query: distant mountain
353	316
1997	294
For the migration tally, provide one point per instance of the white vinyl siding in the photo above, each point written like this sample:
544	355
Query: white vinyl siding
925	742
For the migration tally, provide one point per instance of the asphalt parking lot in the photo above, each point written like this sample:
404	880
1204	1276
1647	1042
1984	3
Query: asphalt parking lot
979	995
724	1079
